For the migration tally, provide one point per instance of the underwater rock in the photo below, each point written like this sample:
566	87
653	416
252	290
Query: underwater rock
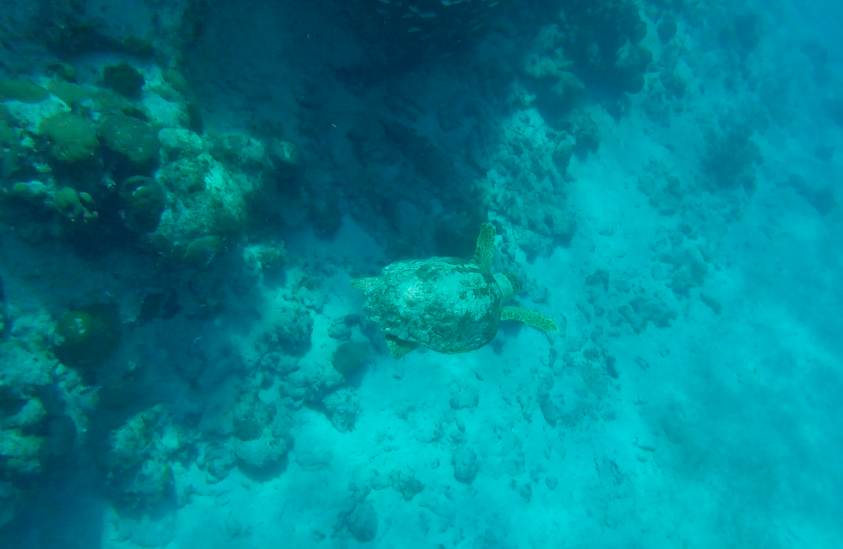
291	327
342	407
163	305
406	483
180	143
350	357
133	143
362	522
62	70
202	251
246	428
466	465
261	453
194	111
73	206
72	137
667	28
124	79
143	201
287	160
8	134
179	83
632	63
136	463
251	416
86	336
70	93
196	122
22	90
265	257
211	201
239	150
582	127
592	36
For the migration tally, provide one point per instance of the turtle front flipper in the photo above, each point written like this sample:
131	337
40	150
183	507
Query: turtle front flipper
399	347
484	253
532	318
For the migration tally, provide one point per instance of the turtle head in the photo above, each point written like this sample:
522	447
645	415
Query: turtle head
508	283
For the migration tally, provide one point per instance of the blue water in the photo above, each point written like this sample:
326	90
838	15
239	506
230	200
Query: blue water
189	189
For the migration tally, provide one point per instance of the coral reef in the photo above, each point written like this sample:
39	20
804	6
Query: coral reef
188	187
138	460
85	336
261	438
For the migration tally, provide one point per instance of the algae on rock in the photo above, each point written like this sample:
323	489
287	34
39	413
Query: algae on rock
22	90
134	143
72	137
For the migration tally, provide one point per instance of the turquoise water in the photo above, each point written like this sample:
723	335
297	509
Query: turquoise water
211	336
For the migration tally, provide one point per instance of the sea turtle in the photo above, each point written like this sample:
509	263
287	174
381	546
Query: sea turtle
446	304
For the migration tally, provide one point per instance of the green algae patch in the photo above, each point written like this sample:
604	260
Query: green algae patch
179	83
74	205
73	138
110	102
19	89
70	93
132	140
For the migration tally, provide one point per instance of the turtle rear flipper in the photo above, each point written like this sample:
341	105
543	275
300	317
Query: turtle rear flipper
532	318
399	347
484	253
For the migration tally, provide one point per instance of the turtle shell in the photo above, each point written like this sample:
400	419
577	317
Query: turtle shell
448	305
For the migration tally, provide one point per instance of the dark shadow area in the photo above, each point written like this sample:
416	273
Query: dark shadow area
61	510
